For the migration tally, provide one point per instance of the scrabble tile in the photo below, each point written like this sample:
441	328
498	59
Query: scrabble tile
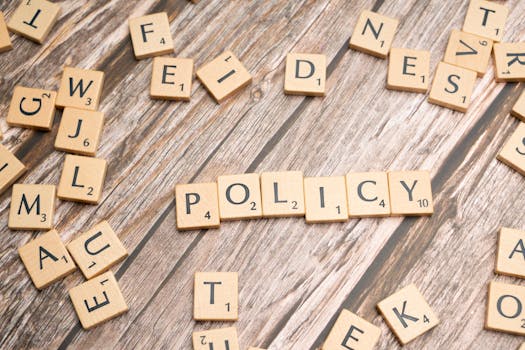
468	51
408	70
373	34
252	348
368	194
10	168
5	41
216	296
407	314
510	258
351	332
32	207
216	339
79	131
282	194
197	206
505	309
97	250
34	19
80	88
325	199
224	76
410	193
151	35
513	153
46	259
32	108
98	300
305	74
171	78
522	346
509	59
82	179
239	196
519	108
486	19
452	87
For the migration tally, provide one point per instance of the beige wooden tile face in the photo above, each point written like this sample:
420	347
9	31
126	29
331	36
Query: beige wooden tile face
305	74
151	35
216	339
224	76
171	78
98	300
452	87
32	108
80	88
510	259
509	59
373	34
197	206
32	207
282	194
79	131
410	193
216	296
5	41
368	194
10	168
352	332
252	348
408	70
513	153
97	250
468	51
46	259
522	346
34	19
486	19
82	179
505	309
519	108
239	196
325	199
407	314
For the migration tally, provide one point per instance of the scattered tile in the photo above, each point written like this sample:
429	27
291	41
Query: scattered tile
325	199
151	35
368	194
282	194
410	193
216	296
452	87
32	207
32	108
486	19
79	131
373	34
171	78
216	339
34	19
80	88
305	74
239	197
505	311
352	332
82	179
468	51
197	206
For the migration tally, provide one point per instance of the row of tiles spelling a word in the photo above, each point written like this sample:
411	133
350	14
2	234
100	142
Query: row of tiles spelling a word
288	193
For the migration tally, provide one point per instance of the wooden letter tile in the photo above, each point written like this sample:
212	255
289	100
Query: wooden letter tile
513	153
10	168
224	76
98	300
519	108
32	207
509	59
252	348
216	296
97	250
5	41
171	78
34	19
408	70
352	332
506	308
486	19
80	88
239	197
410	193
305	74
325	199
282	194
216	339
373	34
407	314
151	35
82	179
452	87
46	259
468	51
368	194
79	131
197	206
32	108
510	258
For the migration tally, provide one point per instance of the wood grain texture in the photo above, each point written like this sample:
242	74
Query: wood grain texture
294	278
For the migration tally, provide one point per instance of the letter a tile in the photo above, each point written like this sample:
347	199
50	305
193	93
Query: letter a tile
305	74
151	35
510	258
513	153
352	332
34	19
239	196
219	339
509	59
197	206
505	308
216	296
10	168
373	34
32	108
410	193
82	179
32	207
80	88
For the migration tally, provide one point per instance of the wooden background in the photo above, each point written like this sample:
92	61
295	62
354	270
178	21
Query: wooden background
294	277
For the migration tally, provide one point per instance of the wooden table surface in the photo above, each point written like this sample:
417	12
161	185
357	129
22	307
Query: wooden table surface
294	278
